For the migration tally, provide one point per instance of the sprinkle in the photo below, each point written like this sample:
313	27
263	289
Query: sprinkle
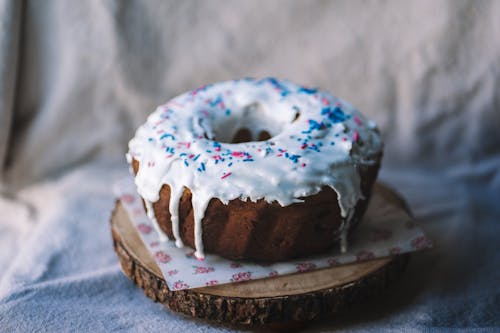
196	157
303	165
355	136
186	144
358	121
226	175
309	91
150	139
186	163
167	135
230	164
294	158
238	153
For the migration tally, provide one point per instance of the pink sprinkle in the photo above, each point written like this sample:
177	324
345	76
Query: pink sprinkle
355	136
325	101
226	175
217	148
344	139
200	259
303	165
191	156
304	146
358	121
238	154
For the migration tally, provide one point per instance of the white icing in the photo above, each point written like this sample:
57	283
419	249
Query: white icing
178	146
151	214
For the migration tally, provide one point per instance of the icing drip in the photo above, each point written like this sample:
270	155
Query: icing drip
316	140
201	203
175	197
151	215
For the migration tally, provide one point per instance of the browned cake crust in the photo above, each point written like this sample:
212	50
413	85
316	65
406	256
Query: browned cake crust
265	231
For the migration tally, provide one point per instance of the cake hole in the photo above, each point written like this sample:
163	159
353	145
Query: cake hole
242	135
263	136
297	115
253	122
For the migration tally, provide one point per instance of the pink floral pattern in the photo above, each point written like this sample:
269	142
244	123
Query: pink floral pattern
211	283
202	269
179	285
127	198
241	276
144	228
420	243
365	255
305	266
332	262
162	257
172	272
273	274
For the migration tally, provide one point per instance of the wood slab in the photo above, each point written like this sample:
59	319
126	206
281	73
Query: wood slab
283	299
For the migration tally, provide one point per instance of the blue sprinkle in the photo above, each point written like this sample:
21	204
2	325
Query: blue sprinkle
307	90
167	135
150	139
186	163
248	160
228	112
216	101
332	143
294	158
230	164
196	157
182	154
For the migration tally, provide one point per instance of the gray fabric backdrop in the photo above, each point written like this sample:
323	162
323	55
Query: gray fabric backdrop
77	78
